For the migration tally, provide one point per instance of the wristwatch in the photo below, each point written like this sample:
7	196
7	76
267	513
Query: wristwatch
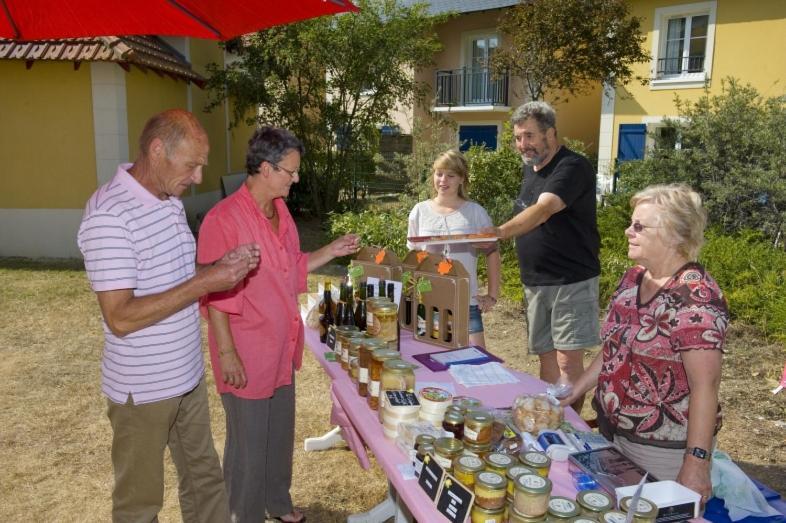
698	452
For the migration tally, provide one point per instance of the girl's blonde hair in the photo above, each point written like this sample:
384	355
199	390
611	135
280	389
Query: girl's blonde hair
455	162
683	217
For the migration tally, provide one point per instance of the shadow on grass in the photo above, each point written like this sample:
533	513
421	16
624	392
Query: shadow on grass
42	264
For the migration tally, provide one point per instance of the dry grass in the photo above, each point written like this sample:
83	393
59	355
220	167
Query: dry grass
55	438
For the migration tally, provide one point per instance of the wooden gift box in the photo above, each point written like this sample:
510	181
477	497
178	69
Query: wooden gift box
377	264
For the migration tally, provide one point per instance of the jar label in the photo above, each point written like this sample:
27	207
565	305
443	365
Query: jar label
345	354
614	517
535	457
491	478
363	375
532	481
470	434
435	394
445	463
418	467
644	506
500	459
374	388
561	505
337	347
369	319
596	500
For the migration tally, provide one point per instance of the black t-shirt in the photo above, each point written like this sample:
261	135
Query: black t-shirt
565	248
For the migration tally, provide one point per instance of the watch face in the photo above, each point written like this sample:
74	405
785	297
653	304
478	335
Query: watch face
699	453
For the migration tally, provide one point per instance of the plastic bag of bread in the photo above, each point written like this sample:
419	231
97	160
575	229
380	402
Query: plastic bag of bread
312	318
535	412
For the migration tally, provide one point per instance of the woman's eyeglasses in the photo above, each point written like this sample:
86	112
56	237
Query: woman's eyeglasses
638	227
277	167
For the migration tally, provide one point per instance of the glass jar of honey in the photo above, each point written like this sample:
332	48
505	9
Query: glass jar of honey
593	503
485	515
355	342
341	337
367	347
397	375
446	450
465	468
498	462
477	427
537	461
371	304
385	321
346	346
378	357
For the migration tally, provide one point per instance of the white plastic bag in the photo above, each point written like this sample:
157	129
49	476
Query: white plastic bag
739	493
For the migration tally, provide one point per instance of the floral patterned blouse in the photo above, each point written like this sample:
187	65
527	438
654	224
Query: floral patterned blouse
643	391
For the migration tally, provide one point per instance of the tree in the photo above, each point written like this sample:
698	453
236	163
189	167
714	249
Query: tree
731	148
332	81
567	47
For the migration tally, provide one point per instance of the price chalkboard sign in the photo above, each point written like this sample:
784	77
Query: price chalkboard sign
401	398
431	476
330	341
454	500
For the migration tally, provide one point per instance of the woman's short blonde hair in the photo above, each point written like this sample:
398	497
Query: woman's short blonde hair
455	162
683	218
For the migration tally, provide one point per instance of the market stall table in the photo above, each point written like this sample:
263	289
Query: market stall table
360	424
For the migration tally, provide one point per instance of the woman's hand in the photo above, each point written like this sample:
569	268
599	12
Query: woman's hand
695	474
345	245
232	370
485	302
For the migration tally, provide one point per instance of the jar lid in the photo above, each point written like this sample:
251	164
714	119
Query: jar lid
356	341
454	418
469	463
448	445
466	402
397	366
594	500
487	511
424	438
388	306
491	480
534	459
533	484
435	395
375	343
385	354
457	409
564	508
477	447
498	459
478	417
613	516
426	448
516	470
644	509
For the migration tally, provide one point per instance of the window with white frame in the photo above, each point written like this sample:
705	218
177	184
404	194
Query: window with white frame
683	41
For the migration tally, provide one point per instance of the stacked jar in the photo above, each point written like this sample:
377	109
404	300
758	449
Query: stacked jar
513	472
398	375
537	461
531	496
465	468
404	409
433	404
342	334
371	304
490	490
385	321
353	355
477	433
368	346
378	357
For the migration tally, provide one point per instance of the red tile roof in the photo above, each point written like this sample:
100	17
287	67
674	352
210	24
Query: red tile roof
146	52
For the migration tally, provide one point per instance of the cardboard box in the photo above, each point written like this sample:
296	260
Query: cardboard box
675	502
449	297
406	313
379	263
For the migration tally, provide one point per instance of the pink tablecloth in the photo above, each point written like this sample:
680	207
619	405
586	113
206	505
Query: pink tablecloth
360	424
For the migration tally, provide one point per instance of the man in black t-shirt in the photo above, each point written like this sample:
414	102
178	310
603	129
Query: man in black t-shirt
557	242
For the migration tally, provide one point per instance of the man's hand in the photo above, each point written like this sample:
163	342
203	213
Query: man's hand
488	246
232	370
228	271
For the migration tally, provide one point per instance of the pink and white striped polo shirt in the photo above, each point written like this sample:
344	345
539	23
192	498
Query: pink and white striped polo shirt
132	240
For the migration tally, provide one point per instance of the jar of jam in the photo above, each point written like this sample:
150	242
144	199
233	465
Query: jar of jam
378	357
465	468
477	427
341	338
531	496
498	462
593	503
645	512
367	346
513	472
454	423
537	461
486	515
422	439
385	321
424	449
562	510
457	409
346	342
355	343
490	490
613	516
476	449
371	304
446	450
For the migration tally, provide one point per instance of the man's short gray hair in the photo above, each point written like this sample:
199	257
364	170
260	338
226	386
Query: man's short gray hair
541	112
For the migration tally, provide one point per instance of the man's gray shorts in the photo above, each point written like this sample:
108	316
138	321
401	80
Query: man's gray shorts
563	317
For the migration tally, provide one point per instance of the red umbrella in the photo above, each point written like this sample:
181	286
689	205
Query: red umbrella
215	19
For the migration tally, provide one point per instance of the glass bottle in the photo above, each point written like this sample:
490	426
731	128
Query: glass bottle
391	291
360	310
382	289
342	296
349	308
421	322
325	313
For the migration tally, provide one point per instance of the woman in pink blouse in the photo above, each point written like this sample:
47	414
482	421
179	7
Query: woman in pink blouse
255	332
658	374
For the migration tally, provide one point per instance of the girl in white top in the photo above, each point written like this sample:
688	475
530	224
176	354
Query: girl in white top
450	212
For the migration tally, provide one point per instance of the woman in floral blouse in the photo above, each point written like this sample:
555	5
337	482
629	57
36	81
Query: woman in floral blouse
658	374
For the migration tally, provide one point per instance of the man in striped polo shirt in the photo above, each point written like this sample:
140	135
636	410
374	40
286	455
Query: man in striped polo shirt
140	260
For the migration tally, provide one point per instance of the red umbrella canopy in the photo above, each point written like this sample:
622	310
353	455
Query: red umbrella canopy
215	19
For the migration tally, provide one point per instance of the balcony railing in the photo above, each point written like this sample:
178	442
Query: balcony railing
680	65
471	86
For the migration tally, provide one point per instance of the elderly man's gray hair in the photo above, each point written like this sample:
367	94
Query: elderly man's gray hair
541	112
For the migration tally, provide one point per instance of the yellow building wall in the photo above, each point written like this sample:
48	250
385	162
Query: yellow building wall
46	136
749	41
577	117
